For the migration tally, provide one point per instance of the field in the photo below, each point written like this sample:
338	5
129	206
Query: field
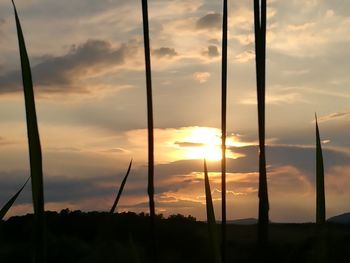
101	237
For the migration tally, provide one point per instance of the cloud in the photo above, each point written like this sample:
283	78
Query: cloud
175	203
209	22
335	115
165	52
189	144
201	77
179	184
245	56
63	73
212	51
299	157
298	35
281	97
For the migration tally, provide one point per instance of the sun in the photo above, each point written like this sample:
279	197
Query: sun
203	143
195	142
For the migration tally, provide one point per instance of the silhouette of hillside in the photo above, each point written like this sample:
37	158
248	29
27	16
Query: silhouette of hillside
75	236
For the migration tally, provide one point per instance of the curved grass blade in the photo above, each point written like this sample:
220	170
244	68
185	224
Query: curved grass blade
320	194
36	172
148	71
223	130
213	231
10	202
260	58
121	189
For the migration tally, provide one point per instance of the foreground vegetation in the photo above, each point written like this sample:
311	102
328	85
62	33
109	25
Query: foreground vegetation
102	237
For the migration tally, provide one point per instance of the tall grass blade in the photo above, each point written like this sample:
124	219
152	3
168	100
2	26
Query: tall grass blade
121	189
149	125
320	193
213	233
10	202
36	171
260	59
223	130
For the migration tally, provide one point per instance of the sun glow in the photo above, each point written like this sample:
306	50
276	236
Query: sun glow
204	142
186	143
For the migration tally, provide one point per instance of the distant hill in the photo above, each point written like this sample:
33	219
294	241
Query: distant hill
340	219
244	221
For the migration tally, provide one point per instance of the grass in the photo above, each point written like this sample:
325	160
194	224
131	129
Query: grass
36	171
148	70
260	61
320	195
223	130
10	202
121	189
212	227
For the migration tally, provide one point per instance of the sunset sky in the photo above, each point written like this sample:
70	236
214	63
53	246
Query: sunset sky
88	69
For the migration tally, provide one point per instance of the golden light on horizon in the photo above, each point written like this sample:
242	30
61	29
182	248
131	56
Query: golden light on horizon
186	143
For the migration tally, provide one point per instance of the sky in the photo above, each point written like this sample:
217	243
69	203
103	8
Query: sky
87	62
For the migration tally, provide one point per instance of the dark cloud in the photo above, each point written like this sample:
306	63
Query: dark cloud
66	189
302	158
60	73
165	52
189	144
209	21
177	203
212	51
287	166
115	150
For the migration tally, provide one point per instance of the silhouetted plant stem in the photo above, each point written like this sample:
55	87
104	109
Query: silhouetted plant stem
36	171
260	58
223	130
10	202
120	189
212	227
149	125
320	194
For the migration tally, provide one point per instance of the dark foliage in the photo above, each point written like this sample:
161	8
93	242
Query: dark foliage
102	237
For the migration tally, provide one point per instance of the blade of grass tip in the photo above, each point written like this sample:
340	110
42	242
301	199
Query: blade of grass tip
10	202
36	172
121	189
321	242
150	189
320	193
260	58
213	233
223	130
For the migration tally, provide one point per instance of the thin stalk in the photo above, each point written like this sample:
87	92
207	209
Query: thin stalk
120	189
212	227
223	130
149	124
320	193
260	58
36	171
10	202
